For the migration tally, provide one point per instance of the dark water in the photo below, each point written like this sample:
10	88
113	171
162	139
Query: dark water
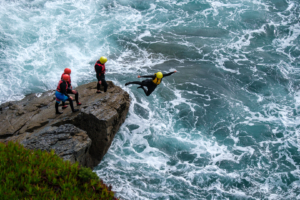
226	126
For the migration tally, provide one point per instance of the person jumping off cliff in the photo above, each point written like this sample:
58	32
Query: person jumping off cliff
61	93
100	71
70	90
151	84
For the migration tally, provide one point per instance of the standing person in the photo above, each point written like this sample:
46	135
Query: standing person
61	93
100	71
151	84
69	90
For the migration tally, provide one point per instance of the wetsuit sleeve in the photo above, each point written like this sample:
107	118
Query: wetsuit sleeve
148	76
164	75
63	89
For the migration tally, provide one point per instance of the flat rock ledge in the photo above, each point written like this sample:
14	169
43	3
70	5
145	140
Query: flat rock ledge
84	136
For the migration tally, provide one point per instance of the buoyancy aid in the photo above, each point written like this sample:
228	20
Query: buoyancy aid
156	81
58	86
102	68
69	82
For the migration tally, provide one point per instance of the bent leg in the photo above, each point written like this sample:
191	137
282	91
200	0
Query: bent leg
56	108
146	91
76	97
59	97
150	87
71	104
149	92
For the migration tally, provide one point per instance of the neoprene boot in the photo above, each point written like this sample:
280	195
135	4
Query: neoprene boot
56	108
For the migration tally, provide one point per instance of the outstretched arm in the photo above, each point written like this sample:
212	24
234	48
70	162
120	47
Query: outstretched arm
164	75
148	76
153	76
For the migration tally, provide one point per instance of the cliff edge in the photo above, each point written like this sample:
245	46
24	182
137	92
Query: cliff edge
84	136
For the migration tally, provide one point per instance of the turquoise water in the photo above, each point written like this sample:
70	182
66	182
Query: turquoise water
226	126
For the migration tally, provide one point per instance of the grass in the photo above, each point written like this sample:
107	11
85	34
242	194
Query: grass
36	174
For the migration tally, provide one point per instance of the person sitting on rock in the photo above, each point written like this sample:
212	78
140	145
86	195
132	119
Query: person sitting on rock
100	71
151	84
69	90
61	93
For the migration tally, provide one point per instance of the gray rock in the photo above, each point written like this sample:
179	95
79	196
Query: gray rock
33	123
68	141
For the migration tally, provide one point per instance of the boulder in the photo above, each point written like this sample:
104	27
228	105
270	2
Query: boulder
83	136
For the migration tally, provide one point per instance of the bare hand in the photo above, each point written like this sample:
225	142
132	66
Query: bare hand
139	76
71	98
100	82
175	71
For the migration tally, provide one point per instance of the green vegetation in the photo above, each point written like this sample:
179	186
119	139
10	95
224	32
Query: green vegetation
27	174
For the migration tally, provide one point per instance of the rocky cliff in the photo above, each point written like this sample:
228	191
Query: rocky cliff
84	136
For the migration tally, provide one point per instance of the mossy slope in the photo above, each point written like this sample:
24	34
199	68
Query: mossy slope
27	174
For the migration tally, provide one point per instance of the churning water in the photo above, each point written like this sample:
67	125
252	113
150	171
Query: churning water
226	126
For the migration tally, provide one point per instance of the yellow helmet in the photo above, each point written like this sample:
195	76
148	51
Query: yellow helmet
159	75
103	59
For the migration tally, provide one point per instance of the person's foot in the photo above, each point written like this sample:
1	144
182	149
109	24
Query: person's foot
75	110
78	104
64	107
126	84
58	113
99	91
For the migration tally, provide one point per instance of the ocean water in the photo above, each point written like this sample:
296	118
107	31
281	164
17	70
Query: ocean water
225	126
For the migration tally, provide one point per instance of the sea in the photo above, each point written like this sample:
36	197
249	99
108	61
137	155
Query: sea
225	126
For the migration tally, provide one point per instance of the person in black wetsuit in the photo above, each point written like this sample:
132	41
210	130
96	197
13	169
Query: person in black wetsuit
61	93
70	89
151	84
100	71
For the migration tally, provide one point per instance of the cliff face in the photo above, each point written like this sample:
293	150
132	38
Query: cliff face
84	136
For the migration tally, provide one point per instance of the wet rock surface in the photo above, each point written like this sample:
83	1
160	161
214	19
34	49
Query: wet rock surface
84	136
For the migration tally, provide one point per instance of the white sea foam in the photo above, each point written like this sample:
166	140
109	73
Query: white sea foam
225	138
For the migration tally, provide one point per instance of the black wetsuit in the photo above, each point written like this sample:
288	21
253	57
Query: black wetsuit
70	91
100	76
148	83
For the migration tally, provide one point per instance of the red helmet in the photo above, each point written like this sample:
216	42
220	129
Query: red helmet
66	77
67	71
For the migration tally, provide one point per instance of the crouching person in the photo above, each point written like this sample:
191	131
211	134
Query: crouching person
61	93
70	90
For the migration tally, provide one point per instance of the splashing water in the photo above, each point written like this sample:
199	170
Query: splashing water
226	126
